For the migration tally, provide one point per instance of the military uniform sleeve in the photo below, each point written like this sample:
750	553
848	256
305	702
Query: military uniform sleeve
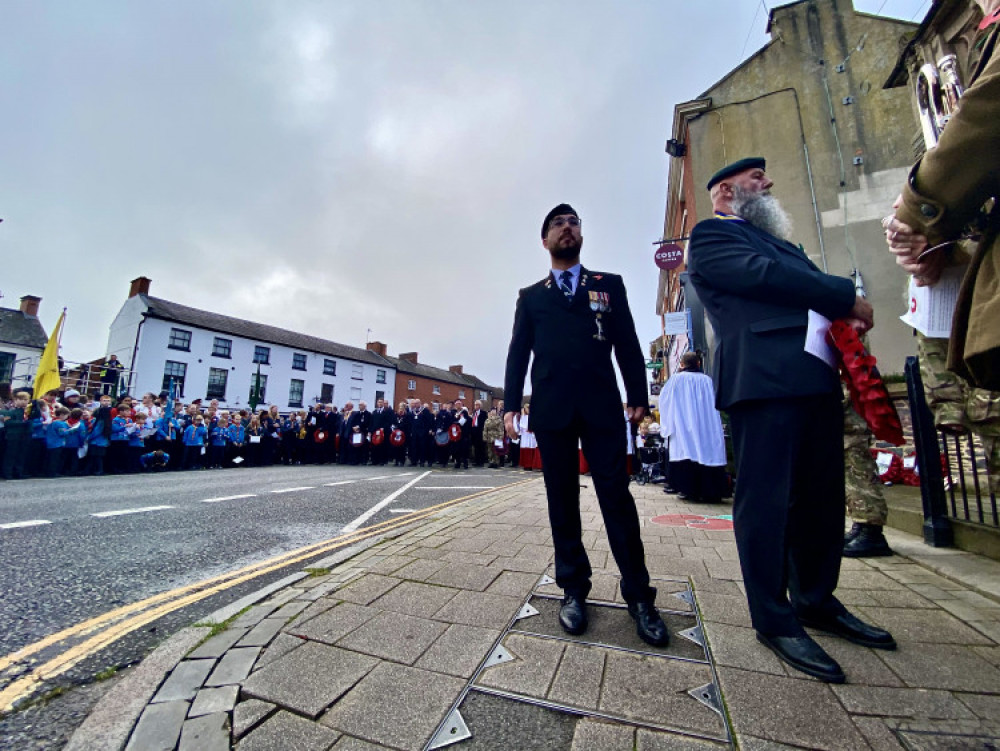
951	182
522	339
722	257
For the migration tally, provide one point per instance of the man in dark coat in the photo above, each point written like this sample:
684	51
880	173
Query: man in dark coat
762	295
382	419
479	416
571	321
423	432
360	423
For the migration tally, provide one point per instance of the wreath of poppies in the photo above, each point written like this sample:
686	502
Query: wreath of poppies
868	394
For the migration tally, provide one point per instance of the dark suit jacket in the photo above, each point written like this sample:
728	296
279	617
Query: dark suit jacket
383	419
423	423
757	291
362	420
477	431
572	373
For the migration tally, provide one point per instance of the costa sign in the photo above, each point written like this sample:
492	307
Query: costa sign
669	256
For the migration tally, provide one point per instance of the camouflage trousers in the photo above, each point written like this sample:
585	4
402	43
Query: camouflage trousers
958	405
863	488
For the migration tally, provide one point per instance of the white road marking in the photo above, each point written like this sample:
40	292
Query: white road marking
124	511
381	477
456	487
31	523
342	482
401	510
292	490
229	498
382	504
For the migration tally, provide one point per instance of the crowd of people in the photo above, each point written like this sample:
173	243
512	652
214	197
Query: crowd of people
71	435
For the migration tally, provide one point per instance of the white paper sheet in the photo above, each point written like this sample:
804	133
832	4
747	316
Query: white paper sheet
931	308
816	342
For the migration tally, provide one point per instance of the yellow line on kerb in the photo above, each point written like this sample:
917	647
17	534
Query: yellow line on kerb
179	598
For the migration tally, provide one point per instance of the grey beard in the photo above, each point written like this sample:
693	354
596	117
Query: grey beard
763	211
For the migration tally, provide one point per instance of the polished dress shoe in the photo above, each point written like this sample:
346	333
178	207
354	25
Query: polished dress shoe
573	615
853	629
804	654
648	624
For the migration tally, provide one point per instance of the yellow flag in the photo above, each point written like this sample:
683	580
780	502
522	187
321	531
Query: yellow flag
47	378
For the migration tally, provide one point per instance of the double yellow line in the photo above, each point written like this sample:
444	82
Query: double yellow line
138	614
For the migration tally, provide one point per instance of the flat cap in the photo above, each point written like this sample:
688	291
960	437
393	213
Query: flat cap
751	162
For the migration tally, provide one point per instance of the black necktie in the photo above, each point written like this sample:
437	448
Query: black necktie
566	284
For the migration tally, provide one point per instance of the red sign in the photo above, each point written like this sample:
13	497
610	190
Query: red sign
669	256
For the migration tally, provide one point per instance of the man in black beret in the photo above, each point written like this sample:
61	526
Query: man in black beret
762	294
571	321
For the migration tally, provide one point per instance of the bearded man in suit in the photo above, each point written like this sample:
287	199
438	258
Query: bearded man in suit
572	321
762	294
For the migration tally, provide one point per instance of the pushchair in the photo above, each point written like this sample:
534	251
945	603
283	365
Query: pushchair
650	459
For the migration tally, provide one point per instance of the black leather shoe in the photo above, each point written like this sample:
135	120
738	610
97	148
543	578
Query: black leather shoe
869	542
804	654
573	615
648	624
853	629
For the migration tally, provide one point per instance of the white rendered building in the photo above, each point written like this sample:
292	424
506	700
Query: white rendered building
212	356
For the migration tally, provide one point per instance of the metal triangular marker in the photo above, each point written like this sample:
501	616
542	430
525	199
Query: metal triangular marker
707	695
686	596
546	579
498	656
526	611
453	731
694	634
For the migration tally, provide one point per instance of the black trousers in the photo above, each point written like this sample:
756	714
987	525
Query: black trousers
604	449
789	507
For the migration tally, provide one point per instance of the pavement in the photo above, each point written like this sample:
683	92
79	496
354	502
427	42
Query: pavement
445	633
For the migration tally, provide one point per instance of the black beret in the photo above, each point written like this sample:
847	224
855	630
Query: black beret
735	168
563	208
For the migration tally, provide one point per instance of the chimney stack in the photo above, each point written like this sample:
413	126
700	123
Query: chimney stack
377	347
140	286
409	357
456	369
29	305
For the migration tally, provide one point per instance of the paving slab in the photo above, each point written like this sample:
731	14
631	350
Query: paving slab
946	666
347	743
254	615
394	636
159	727
367	588
532	669
578	678
654	690
411	703
730	609
737	647
287	731
600	735
234	666
261	634
512	584
787	710
861	665
465	576
184	680
308	679
248	714
879	736
459	650
898	598
912	703
479	609
333	624
212	700
934	626
654	740
498	723
282	645
986	706
209	732
415	598
419	569
218	645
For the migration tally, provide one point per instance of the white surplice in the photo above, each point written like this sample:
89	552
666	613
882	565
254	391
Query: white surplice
689	418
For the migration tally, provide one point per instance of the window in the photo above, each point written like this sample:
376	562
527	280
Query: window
381	395
358	372
263	387
436	406
222	347
262	355
436	389
461	393
355	394
176	372
295	390
217	378
411	385
298	361
326	393
329	367
379	376
482	396
180	339
7	366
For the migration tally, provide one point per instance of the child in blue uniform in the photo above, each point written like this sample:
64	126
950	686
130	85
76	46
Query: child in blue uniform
118	448
99	437
219	438
195	435
55	441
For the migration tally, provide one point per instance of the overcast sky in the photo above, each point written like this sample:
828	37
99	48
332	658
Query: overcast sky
339	166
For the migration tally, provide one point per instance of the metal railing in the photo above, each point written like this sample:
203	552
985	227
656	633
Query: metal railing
953	468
